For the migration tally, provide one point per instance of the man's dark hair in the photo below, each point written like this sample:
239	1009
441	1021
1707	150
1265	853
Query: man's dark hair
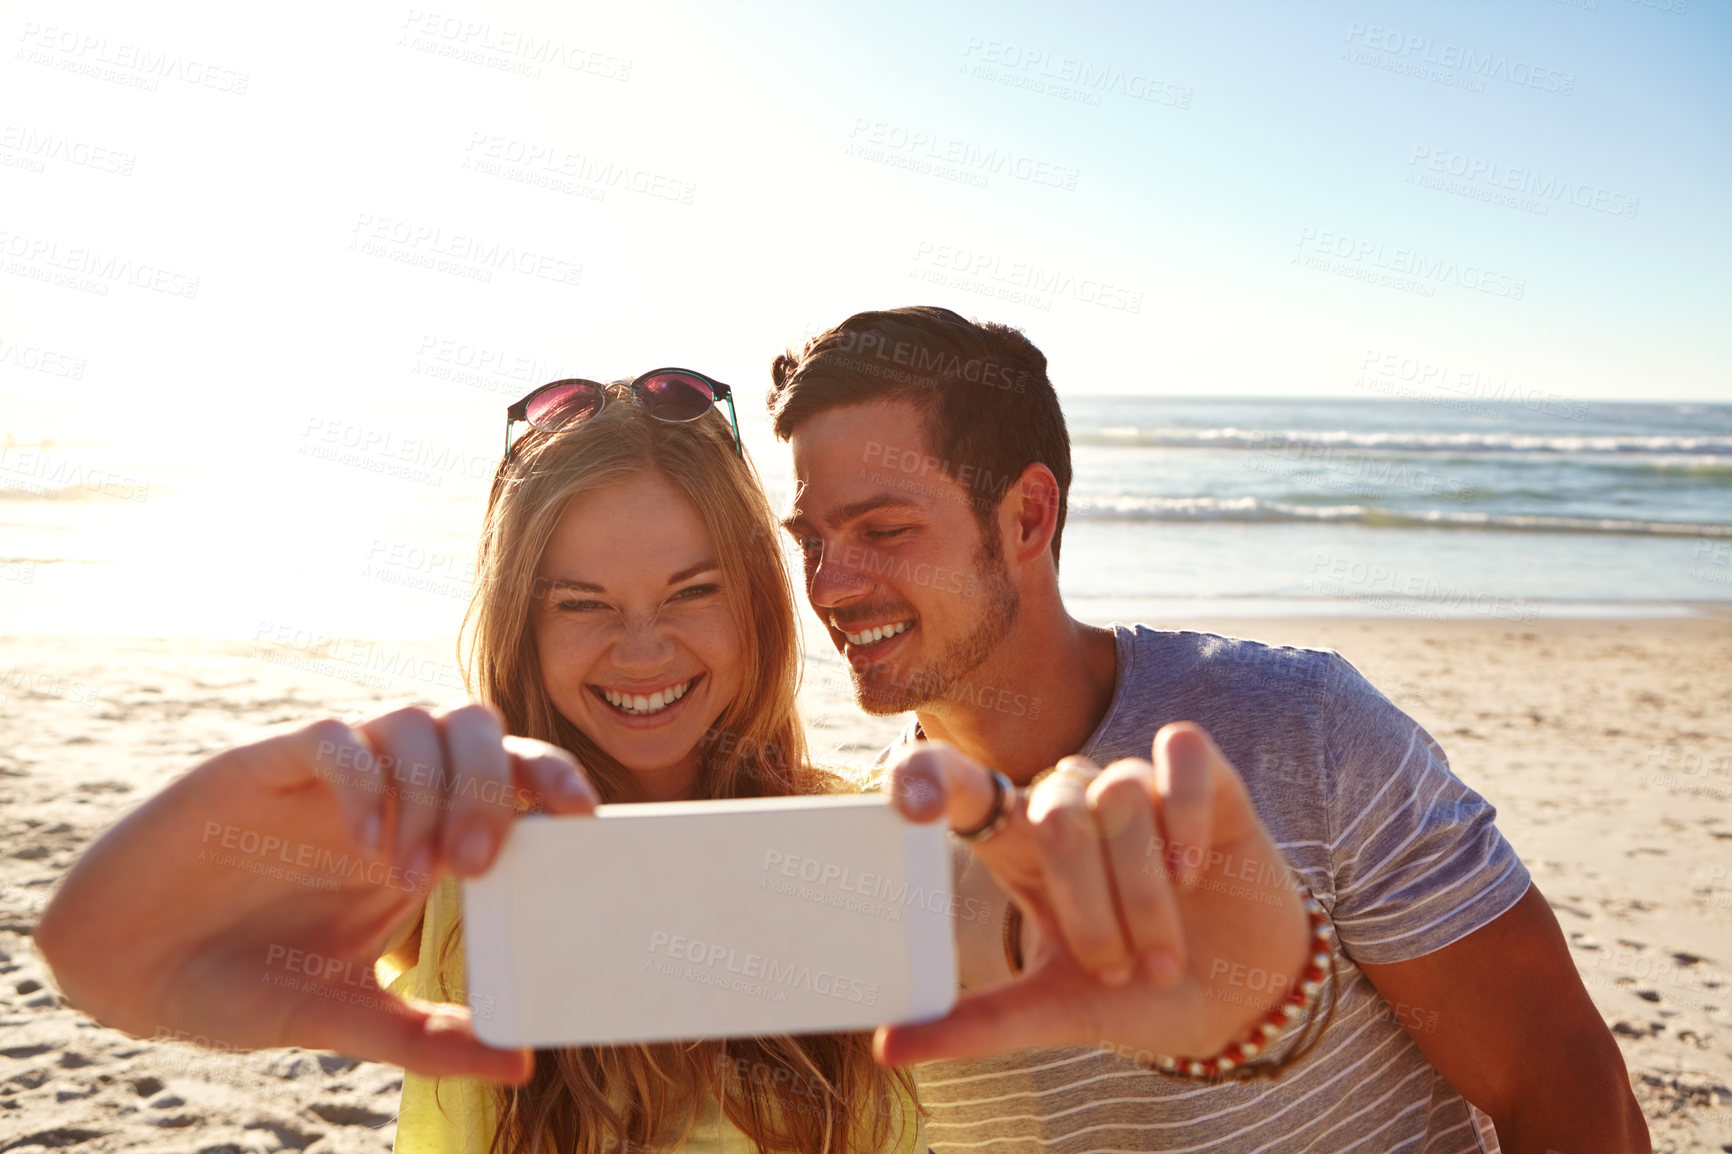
989	409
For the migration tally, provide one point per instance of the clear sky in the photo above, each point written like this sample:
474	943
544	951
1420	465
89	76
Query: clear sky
1179	198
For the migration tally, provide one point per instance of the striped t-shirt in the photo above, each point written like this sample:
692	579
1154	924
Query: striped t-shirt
1403	856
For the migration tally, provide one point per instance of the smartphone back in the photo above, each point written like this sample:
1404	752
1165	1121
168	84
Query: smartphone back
711	919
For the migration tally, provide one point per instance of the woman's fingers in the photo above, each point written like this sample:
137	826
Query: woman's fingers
326	751
411	764
550	777
426	1038
480	798
442	787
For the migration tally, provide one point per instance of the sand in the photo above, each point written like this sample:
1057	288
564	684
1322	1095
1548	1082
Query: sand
1607	746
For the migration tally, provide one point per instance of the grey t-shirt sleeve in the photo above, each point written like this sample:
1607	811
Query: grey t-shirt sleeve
1416	856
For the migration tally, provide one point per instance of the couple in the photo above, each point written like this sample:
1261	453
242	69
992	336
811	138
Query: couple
1148	978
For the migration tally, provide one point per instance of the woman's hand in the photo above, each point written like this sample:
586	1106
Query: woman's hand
246	903
1161	912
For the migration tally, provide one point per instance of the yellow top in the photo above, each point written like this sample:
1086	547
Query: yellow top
461	1120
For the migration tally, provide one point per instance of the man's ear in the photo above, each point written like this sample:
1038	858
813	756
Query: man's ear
1028	514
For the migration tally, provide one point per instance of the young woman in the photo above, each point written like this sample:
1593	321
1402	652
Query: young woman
631	607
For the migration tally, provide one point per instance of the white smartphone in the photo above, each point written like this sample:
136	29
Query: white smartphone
711	919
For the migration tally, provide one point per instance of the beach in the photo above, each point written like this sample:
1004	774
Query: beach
1603	742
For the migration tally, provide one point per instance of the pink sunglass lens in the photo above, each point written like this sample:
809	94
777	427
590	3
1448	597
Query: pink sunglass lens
677	397
564	406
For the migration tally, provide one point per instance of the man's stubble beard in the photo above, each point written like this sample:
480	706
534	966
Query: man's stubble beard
893	692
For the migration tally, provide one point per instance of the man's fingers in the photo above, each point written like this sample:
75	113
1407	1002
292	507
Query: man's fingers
1020	1015
422	1037
1123	800
1074	864
929	781
1187	765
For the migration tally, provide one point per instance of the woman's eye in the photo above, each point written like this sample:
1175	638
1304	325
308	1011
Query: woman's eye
581	606
694	592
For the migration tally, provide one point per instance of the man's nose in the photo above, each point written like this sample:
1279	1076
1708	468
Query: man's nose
835	578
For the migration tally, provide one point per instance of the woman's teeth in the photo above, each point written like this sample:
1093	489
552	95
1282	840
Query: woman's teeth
654	703
874	635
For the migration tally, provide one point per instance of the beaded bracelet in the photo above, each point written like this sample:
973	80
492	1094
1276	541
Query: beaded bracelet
1275	1025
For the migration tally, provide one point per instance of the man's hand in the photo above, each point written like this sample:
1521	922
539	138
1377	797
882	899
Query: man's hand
1162	918
246	903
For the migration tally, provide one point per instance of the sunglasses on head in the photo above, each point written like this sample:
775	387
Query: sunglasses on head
665	394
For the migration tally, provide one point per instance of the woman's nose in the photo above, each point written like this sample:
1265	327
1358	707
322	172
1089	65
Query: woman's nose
643	643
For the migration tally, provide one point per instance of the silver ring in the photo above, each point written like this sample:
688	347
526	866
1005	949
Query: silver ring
1003	789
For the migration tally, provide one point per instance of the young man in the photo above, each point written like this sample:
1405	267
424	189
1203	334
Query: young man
931	470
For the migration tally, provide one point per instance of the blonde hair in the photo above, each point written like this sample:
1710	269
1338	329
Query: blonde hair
817	1094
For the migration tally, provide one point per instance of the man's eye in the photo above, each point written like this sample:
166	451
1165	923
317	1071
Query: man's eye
808	545
887	534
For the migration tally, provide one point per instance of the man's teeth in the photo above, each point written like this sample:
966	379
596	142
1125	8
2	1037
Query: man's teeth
654	703
877	634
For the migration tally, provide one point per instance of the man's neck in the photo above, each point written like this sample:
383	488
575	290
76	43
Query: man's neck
1037	699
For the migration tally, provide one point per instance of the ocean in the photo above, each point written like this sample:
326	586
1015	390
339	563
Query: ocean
1435	507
